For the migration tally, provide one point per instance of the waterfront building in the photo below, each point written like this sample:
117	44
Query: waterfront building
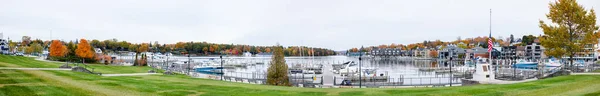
4	48
386	52
456	52
477	52
534	52
508	52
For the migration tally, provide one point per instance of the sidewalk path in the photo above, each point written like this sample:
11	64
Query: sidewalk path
585	73
6	68
130	74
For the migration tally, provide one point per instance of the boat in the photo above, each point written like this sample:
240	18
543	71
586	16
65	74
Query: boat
339	66
552	63
352	68
522	64
208	69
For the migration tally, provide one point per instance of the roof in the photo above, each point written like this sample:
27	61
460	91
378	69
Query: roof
479	50
456	49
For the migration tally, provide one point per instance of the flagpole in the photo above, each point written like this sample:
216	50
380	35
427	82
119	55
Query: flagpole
490	37
492	74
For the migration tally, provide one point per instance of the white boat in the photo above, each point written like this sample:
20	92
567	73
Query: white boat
353	68
552	63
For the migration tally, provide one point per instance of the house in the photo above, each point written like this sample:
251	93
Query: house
451	51
4	48
265	54
478	52
98	50
247	54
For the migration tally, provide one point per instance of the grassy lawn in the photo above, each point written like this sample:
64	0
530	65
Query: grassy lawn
15	61
65	83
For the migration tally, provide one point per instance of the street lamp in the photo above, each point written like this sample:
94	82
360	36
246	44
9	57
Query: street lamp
189	63
223	73
451	74
360	68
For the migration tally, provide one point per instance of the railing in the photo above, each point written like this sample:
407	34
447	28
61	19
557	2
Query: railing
401	81
298	80
87	67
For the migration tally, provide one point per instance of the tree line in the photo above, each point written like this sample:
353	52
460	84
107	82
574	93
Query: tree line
179	48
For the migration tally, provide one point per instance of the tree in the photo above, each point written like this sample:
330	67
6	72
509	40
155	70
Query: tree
84	50
572	29
433	53
25	40
354	50
57	49
277	72
34	48
268	50
143	48
205	49
512	39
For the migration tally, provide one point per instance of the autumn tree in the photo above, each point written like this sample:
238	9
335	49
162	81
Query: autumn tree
142	48
57	49
433	53
277	71
354	50
84	50
572	29
268	50
34	48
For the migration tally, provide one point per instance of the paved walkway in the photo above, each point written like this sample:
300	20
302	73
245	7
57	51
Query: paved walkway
7	68
327	75
130	74
505	82
585	73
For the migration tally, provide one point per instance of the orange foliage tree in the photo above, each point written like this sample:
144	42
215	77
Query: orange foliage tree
57	49
84	50
433	53
268	50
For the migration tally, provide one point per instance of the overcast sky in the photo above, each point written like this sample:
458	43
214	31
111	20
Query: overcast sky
334	24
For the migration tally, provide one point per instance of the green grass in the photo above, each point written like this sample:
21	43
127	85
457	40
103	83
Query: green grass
66	83
16	61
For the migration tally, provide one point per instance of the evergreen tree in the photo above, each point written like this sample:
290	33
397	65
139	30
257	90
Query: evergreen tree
277	72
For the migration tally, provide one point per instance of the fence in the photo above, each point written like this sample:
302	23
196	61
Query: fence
402	81
298	80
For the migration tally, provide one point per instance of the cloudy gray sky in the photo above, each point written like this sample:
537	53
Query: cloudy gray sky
334	24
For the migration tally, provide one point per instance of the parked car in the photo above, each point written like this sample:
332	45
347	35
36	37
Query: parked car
19	54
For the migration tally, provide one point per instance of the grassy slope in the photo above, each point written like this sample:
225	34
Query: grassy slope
15	61
15	83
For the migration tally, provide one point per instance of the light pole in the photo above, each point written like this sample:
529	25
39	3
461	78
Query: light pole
189	63
223	73
451	74
360	68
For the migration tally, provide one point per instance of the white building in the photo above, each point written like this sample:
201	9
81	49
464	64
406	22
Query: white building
4	48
